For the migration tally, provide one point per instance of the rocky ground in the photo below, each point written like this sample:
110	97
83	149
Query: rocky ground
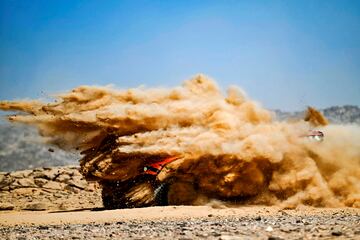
347	114
57	203
57	188
169	223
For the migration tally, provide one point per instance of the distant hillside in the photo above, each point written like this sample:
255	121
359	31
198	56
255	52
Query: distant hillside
348	114
22	148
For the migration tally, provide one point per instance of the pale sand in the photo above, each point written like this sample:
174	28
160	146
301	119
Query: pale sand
11	218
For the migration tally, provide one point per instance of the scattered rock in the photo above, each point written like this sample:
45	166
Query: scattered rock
336	233
25	182
79	184
72	189
51	174
52	185
40	181
216	234
57	195
5	181
228	227
46	174
36	206
287	228
275	238
37	187
21	174
38	174
6	206
64	178
43	227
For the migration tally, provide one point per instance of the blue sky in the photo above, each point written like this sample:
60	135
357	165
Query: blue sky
284	54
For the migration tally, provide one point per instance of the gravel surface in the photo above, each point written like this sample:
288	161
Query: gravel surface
52	203
282	225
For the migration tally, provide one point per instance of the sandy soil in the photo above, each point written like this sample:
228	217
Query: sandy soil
57	203
184	222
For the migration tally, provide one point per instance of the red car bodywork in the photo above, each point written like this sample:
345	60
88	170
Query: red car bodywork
155	168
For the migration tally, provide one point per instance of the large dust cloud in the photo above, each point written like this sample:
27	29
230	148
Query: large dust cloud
228	147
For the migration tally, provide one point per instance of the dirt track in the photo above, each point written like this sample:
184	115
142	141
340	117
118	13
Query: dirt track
56	203
184	222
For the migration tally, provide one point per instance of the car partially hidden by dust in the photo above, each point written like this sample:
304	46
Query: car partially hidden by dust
161	180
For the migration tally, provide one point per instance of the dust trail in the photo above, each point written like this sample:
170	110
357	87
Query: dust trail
229	147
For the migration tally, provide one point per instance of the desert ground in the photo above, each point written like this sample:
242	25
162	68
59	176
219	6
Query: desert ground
57	203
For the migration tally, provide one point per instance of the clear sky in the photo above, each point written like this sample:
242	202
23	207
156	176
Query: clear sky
284	54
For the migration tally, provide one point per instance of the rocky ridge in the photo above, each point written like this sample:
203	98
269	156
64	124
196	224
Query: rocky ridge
21	147
347	114
58	188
